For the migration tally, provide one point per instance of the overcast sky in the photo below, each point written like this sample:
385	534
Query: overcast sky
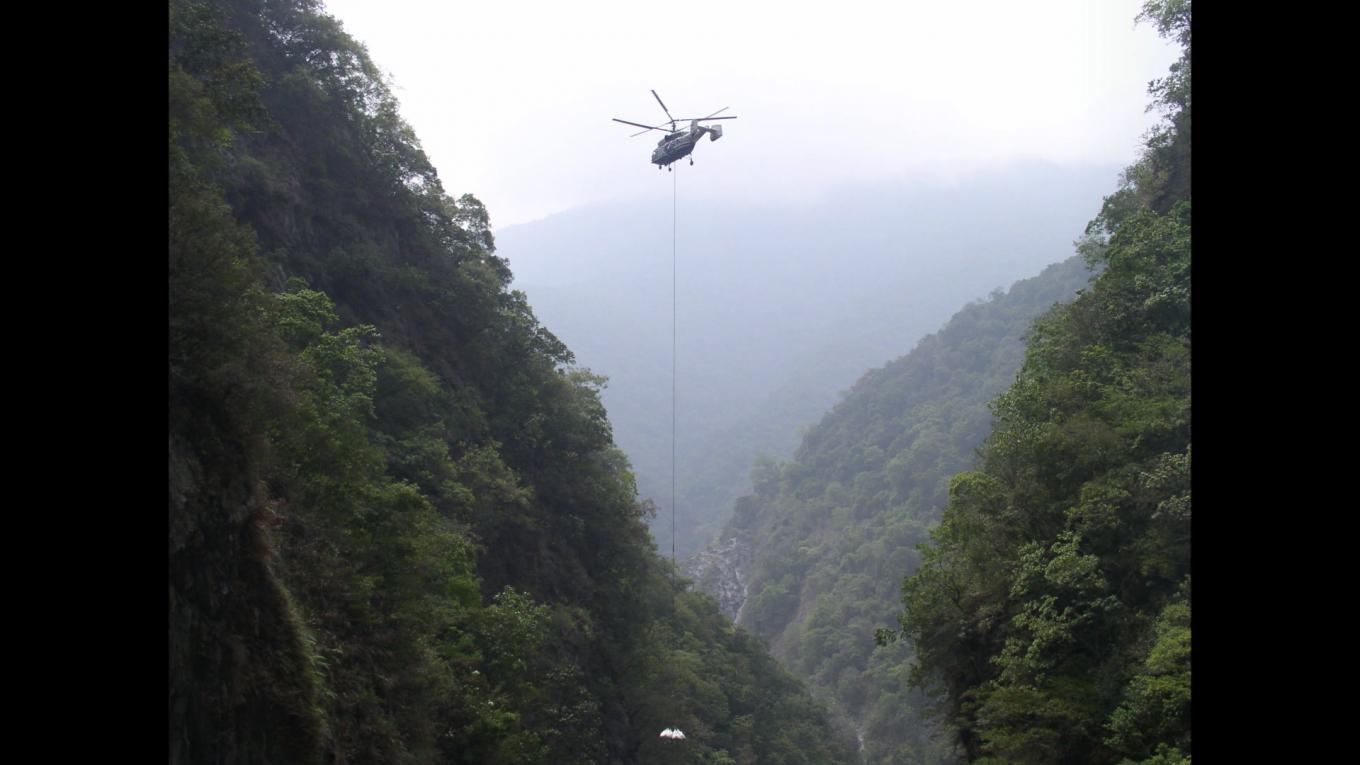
512	99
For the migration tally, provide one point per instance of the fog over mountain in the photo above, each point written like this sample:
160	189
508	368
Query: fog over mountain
779	307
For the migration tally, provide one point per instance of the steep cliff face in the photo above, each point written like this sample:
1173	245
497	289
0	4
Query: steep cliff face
721	571
241	683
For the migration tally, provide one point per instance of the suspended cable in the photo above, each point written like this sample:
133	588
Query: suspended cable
674	197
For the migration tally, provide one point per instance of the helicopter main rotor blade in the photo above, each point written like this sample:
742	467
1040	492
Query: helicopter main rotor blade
636	124
720	111
703	119
663	107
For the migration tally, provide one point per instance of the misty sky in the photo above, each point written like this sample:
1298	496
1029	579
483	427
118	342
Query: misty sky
512	100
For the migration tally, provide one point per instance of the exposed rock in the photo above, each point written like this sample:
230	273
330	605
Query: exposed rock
721	571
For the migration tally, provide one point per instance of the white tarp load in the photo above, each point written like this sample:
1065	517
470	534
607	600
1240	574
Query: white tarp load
672	733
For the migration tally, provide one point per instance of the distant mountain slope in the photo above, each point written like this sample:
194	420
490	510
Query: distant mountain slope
830	534
779	308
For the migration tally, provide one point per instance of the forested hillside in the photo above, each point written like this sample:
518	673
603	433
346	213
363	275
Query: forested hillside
399	530
830	534
1051	613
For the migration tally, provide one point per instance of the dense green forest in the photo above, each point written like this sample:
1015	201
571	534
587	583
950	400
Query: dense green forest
399	531
830	534
1051	612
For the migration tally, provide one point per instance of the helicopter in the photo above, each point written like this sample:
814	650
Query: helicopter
677	144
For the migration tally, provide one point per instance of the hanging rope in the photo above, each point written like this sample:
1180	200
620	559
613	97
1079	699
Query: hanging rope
674	197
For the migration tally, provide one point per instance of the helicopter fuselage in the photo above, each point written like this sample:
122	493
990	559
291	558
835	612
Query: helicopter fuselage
675	146
681	143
